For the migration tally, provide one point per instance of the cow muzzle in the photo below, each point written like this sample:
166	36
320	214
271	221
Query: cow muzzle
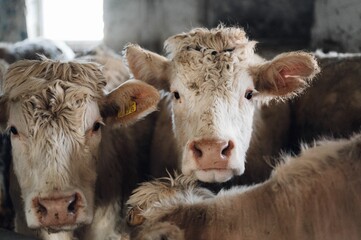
213	160
58	212
212	154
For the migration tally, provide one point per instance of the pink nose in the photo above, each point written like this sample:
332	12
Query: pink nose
212	154
58	211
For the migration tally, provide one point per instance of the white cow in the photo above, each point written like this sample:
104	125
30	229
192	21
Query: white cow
217	82
72	170
315	195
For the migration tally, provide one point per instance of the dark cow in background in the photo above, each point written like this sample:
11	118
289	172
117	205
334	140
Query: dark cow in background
71	175
332	106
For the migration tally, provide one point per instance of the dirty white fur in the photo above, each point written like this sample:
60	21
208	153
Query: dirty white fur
212	70
56	151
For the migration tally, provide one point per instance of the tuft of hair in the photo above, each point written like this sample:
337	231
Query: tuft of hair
165	188
25	76
220	38
315	158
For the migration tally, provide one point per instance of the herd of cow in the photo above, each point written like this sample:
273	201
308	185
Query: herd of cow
85	131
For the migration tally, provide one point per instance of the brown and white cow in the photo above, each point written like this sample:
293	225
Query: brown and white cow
315	195
217	82
71	168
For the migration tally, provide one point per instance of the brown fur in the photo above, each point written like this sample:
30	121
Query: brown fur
313	196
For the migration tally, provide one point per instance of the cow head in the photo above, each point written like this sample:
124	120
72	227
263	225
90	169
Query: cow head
55	112
216	80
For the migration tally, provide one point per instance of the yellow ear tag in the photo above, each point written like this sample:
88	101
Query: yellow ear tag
132	107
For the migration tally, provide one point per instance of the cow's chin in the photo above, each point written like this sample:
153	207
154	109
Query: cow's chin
60	228
216	175
65	228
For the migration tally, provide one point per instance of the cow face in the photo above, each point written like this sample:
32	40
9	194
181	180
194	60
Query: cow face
216	80
55	114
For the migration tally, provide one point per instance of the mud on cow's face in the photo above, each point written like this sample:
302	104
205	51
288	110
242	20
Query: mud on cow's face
216	80
55	115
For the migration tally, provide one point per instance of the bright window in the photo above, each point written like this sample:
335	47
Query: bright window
66	20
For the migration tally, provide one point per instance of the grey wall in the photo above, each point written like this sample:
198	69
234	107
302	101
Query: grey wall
150	22
337	25
327	24
289	20
12	20
296	24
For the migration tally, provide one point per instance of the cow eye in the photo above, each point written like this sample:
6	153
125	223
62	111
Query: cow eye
13	130
96	126
176	95
249	94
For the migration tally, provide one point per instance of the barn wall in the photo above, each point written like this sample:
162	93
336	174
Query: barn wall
289	20
150	22
12	20
337	25
306	24
328	24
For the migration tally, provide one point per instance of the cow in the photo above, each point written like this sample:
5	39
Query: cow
217	83
75	157
34	48
315	195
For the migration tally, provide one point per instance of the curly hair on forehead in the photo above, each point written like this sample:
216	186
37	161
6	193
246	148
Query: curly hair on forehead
220	39
26	76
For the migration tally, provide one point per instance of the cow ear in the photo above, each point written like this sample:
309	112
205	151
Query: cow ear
129	102
286	75
148	66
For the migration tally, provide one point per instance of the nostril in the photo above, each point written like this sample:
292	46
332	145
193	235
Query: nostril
73	203
197	152
226	152
41	209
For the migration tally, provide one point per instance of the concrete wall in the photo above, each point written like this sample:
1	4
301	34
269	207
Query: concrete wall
12	20
337	25
277	20
327	24
150	22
